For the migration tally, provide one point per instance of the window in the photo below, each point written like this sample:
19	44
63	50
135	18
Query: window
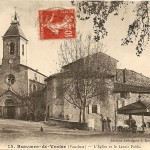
33	87
125	95
12	48
10	79
94	108
23	49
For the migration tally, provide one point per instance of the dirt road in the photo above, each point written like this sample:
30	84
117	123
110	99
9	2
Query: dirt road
25	135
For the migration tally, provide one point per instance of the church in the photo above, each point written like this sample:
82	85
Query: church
17	80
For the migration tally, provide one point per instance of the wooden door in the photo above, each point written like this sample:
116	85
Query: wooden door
10	112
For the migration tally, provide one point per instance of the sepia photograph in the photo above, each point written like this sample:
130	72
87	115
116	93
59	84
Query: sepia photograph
74	75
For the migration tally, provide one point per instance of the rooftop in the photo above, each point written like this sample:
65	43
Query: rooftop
32	69
95	55
122	87
136	108
14	29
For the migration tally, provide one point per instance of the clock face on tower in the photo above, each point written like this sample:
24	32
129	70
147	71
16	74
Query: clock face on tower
10	79
10	61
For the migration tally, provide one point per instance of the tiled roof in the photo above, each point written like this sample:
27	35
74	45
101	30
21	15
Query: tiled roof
136	108
14	30
95	55
122	87
135	105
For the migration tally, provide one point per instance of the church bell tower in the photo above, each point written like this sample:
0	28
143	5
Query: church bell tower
14	45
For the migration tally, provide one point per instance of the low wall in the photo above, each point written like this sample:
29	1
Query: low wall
67	124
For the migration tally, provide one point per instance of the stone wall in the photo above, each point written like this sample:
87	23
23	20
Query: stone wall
55	104
6	53
58	107
21	79
131	77
102	63
67	124
35	86
33	75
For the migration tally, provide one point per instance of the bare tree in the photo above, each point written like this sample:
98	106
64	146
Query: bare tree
84	72
34	101
36	104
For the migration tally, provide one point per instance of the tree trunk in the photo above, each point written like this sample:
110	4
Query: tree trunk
84	120
80	115
115	120
84	111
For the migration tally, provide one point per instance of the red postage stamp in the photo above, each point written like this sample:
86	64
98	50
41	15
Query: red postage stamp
57	24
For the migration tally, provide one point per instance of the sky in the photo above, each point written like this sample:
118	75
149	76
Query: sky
42	54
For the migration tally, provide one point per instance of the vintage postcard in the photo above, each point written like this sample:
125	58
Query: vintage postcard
74	75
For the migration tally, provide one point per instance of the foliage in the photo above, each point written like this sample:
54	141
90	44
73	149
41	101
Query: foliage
99	11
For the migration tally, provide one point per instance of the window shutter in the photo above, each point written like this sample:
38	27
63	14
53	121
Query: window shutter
90	108
98	109
123	103
129	95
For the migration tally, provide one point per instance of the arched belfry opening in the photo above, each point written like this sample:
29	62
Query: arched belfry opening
12	48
